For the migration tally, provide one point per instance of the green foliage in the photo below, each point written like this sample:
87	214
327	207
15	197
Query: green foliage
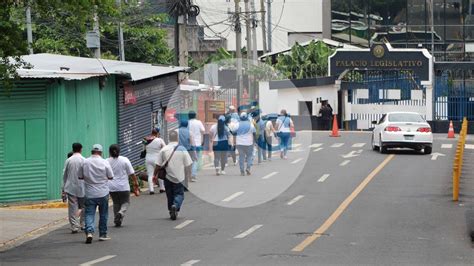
11	45
305	61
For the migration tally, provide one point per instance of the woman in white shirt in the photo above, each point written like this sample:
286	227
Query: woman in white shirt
119	186
154	144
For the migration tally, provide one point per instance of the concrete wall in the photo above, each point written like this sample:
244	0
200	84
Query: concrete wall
272	101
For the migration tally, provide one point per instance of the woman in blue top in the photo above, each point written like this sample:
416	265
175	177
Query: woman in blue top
185	140
220	135
283	126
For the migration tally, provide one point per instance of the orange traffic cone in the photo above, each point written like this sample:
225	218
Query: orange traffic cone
451	130
335	128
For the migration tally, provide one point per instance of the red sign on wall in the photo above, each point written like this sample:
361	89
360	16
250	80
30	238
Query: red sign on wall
170	115
129	95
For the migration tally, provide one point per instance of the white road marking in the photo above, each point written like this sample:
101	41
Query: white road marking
323	178
358	145
233	196
92	262
249	231
435	155
337	145
208	165
469	146
446	146
318	149
346	162
269	175
297	150
297	161
296	145
293	201
352	154
183	224
190	262
316	145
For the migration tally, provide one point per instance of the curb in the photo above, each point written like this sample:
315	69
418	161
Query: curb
33	234
48	205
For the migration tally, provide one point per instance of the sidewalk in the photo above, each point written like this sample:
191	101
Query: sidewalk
467	184
18	225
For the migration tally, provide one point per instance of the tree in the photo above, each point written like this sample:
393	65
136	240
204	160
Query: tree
11	45
305	61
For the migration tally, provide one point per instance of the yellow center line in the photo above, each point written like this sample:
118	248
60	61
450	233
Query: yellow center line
325	226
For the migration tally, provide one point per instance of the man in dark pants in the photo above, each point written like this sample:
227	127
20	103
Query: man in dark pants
326	115
178	166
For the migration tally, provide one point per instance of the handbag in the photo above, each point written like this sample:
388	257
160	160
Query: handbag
161	170
143	154
278	134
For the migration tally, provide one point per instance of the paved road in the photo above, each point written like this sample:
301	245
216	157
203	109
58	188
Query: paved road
367	208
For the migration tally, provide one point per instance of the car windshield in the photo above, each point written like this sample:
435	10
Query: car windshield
405	117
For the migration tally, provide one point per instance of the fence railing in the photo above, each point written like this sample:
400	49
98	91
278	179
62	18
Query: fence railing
458	160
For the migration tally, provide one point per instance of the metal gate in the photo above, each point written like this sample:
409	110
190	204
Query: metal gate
454	95
371	93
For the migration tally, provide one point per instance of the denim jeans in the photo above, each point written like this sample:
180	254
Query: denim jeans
284	141
245	155
174	194
198	161
91	206
261	149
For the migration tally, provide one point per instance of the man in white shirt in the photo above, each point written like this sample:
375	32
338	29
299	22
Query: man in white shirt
245	140
196	129
96	174
178	162
73	188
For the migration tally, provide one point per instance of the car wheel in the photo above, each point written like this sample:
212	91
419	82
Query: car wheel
382	148
428	149
374	147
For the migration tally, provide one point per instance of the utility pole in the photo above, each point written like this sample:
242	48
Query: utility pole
264	33
254	32
120	32
183	42
432	28
238	52
269	25
29	32
248	31
96	29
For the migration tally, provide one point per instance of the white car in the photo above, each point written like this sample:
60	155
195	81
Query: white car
402	130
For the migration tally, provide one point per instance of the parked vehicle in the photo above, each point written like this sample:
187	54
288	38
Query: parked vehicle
402	130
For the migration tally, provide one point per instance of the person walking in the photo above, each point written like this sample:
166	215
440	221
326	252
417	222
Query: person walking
232	122
220	136
196	128
326	115
153	146
269	133
186	140
119	187
177	162
245	140
73	188
96	174
260	135
284	124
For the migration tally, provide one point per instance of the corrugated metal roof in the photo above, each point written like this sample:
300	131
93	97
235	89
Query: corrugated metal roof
72	67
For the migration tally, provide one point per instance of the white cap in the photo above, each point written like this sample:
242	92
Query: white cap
97	147
231	107
243	115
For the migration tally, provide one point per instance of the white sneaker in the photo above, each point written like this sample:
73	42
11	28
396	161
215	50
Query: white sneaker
193	179
222	172
104	238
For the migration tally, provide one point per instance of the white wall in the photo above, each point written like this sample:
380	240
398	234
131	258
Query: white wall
298	16
272	101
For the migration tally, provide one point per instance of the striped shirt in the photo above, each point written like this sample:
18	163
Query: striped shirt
71	173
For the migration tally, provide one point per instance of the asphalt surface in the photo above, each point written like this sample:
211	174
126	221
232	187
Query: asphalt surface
368	208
